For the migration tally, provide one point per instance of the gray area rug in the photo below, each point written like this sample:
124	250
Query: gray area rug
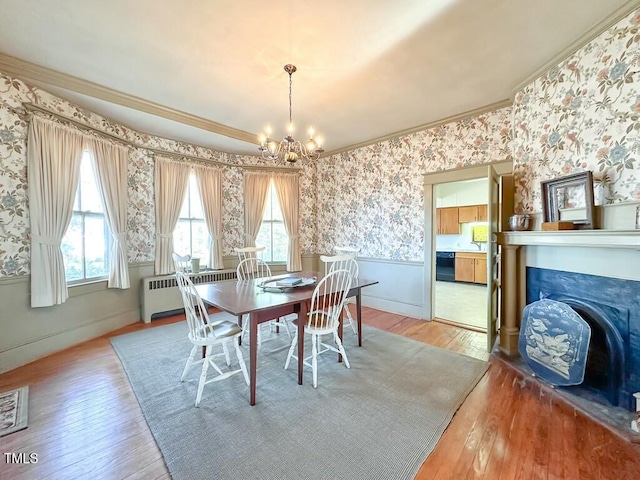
380	419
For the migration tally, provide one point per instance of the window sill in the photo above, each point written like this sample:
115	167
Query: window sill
83	287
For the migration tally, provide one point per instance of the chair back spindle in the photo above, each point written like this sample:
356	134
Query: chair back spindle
194	308
327	300
251	268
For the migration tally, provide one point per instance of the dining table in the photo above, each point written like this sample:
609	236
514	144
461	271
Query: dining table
250	297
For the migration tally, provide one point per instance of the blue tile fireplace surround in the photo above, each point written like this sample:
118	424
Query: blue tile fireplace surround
611	307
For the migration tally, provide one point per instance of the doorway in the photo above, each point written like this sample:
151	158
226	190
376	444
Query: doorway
476	247
461	293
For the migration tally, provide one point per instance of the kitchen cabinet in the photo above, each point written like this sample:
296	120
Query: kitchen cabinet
447	221
472	213
471	267
482	213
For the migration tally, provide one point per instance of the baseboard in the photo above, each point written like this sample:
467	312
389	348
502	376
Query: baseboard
391	306
21	355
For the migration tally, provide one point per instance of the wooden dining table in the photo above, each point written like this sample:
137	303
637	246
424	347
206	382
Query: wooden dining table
242	297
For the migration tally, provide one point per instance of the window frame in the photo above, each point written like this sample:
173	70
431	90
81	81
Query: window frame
191	220
84	214
273	194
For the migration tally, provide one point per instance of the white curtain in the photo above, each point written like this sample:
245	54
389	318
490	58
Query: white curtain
256	189
287	191
54	153
110	163
171	180
210	186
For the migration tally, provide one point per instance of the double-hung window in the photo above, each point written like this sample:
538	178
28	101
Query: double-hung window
86	245
191	236
273	234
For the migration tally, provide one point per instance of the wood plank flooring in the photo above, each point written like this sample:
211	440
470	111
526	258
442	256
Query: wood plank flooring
85	422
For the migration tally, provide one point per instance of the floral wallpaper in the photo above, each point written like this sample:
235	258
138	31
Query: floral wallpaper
583	115
372	197
14	209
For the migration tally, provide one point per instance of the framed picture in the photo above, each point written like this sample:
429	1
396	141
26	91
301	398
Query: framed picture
569	199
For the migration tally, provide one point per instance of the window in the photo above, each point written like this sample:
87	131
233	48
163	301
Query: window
272	233
191	235
86	244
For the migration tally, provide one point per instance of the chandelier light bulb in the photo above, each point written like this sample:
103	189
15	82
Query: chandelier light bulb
311	145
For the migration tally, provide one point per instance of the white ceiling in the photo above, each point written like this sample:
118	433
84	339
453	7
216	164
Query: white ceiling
366	68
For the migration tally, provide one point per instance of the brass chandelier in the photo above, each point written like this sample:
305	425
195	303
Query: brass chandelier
289	149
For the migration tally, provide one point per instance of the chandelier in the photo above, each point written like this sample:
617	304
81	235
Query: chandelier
289	149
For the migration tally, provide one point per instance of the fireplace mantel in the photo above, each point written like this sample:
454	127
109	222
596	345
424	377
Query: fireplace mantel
513	281
573	238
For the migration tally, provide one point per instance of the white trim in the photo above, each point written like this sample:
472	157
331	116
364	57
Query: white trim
574	238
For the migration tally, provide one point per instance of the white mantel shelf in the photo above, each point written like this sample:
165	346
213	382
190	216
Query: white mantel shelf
574	238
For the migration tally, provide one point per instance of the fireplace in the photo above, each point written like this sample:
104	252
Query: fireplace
611	307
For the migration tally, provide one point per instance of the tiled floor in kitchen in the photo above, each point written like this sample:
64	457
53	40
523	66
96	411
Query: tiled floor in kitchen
462	303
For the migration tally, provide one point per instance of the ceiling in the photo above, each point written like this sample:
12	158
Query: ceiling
211	72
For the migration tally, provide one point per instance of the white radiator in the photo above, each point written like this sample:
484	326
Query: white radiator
160	294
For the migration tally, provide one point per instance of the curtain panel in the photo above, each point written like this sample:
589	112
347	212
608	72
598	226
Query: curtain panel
210	187
170	186
110	163
54	153
256	189
287	190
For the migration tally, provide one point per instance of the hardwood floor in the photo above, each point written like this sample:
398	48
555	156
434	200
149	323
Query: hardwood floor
85	422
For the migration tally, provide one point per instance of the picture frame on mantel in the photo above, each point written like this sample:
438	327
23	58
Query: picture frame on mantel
569	199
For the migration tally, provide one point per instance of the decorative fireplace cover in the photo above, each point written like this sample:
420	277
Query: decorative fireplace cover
554	342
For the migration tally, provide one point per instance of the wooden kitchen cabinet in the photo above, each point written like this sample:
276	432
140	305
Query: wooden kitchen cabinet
472	213
482	213
447	221
471	267
480	270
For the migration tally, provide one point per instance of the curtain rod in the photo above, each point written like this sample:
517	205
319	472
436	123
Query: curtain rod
31	107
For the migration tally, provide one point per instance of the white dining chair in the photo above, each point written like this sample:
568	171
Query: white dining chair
249	252
181	262
347	262
323	318
208	333
252	268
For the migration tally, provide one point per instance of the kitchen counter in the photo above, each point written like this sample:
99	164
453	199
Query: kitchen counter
459	250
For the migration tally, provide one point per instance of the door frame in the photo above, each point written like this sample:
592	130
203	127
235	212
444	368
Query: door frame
502	167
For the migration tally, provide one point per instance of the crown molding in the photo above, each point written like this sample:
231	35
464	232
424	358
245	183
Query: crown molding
591	34
42	76
426	126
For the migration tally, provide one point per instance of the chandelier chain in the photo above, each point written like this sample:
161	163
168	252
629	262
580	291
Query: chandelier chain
290	83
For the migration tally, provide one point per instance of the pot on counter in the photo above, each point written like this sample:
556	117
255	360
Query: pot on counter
519	222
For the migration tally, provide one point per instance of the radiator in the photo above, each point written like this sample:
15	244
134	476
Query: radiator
160	294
